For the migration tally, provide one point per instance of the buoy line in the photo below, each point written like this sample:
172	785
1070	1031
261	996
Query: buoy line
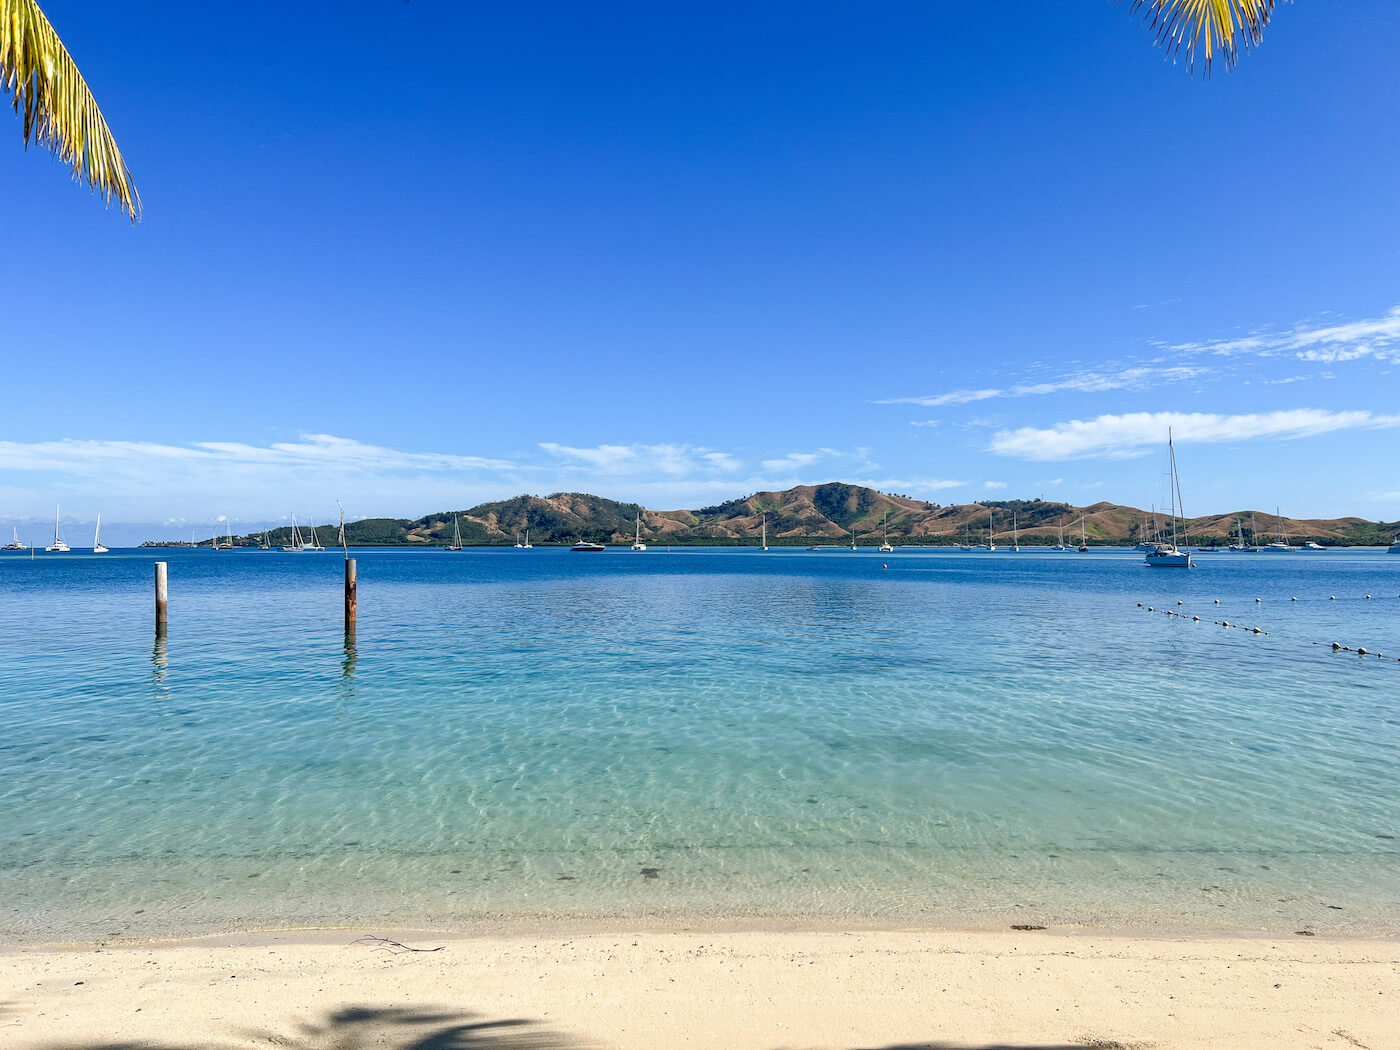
1337	647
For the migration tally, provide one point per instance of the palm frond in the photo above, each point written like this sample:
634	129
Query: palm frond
1212	29
57	108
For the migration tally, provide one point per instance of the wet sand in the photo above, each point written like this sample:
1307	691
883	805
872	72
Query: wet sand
699	988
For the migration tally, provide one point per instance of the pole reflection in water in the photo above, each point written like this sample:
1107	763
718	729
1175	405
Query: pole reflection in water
349	659
160	666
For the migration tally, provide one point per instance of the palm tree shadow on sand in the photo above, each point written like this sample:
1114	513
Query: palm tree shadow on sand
400	1028
394	1028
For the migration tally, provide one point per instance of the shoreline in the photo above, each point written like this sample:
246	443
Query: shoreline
636	986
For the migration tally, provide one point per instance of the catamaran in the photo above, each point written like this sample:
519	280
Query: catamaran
14	545
1169	555
637	544
456	543
885	547
97	547
527	541
58	546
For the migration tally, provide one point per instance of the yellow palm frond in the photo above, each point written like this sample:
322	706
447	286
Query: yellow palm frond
58	109
1214	28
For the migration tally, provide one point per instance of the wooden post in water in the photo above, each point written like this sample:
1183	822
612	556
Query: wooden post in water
162	598
350	598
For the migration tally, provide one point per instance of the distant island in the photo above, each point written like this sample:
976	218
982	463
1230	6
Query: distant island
809	514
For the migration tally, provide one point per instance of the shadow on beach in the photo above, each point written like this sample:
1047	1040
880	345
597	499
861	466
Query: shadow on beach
357	1027
398	1028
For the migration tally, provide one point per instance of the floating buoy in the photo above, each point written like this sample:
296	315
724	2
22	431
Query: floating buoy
1368	597
1295	599
1257	631
1260	600
1150	609
1180	602
1139	605
1196	618
1332	598
1361	651
885	566
1336	646
1217	601
1224	623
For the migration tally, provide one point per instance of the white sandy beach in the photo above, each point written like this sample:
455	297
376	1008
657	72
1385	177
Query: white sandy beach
692	988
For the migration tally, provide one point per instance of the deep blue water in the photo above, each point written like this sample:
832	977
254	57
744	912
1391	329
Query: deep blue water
962	738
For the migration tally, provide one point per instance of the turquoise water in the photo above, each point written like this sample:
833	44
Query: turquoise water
957	738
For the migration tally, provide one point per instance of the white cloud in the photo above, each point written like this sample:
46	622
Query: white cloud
1135	434
1375	337
994	484
638	459
923	422
1140	377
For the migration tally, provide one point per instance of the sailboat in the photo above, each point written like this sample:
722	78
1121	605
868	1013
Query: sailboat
637	544
456	543
1394	548
1015	537
58	546
14	545
97	547
1151	542
264	545
1168	555
225	544
297	545
1083	536
885	547
527	541
1239	546
1280	545
991	543
853	540
1060	546
315	541
764	541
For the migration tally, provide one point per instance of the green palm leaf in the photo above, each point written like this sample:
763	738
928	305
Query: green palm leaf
1214	28
58	109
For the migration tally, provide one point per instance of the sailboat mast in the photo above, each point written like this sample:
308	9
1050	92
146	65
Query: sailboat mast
1171	454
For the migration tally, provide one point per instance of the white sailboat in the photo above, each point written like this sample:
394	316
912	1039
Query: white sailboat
296	546
1394	548
1168	555
1083	536
853	540
315	541
764	541
637	544
885	547
1015	536
1281	544
97	547
58	546
1060	546
15	544
528	547
264	545
456	543
991	543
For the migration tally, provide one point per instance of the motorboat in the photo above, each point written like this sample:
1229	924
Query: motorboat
584	545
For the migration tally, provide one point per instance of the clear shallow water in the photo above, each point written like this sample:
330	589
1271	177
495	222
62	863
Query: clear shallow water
958	738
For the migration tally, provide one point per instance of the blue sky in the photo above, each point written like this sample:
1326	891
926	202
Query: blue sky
419	255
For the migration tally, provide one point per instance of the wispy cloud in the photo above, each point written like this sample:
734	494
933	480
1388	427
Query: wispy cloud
671	460
1374	337
1140	377
994	484
1134	434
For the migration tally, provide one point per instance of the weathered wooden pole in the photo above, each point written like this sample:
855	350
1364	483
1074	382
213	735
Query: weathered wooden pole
162	598
350	598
